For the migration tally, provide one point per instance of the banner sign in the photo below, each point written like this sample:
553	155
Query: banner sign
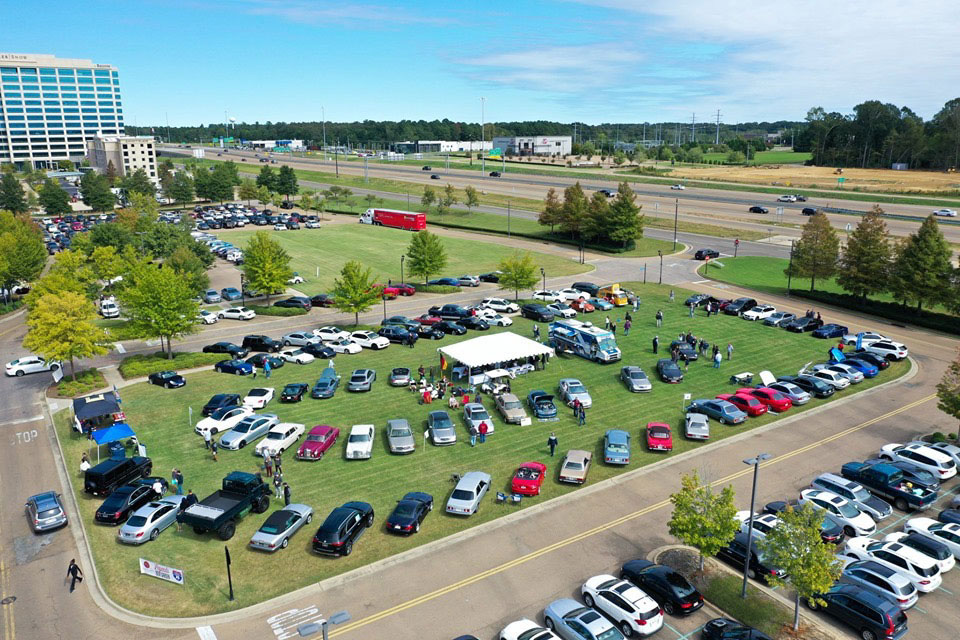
495	153
159	571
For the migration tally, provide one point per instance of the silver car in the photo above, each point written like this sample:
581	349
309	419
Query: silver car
474	414
148	521
697	426
361	380
572	621
276	531
300	339
796	394
779	318
572	389
45	511
635	379
510	408
400	437
855	494
248	430
466	496
882	580
441	428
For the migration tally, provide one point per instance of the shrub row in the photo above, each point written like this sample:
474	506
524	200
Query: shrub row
87	381
143	365
283	312
13	305
889	310
434	288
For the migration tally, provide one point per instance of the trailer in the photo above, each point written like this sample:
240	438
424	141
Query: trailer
585	340
407	220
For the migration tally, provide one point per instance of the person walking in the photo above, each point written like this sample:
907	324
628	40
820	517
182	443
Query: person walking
686	361
607	325
157	487
716	350
286	494
729	351
421	372
278	484
330	364
674	353
656	344
691	311
206	439
213	450
582	418
576	407
626	327
268	464
659	318
473	436
536	332
671	295
278	463
74	573
552	442
716	359
627	316
483	431
266	367
613	328
180	509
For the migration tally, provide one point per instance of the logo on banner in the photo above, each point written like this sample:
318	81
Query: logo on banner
160	571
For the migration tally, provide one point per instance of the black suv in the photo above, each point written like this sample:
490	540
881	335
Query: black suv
262	343
872	615
398	334
226	347
342	527
536	312
586	287
670	589
219	401
295	302
703	254
102	479
739	305
286	204
736	552
814	386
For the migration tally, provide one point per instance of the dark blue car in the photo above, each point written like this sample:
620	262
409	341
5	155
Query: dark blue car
864	367
409	513
830	331
236	367
541	403
448	282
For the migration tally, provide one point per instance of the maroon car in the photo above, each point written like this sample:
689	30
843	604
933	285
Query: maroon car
428	319
320	438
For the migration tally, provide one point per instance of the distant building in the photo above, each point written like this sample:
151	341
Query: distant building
440	146
274	144
534	145
128	153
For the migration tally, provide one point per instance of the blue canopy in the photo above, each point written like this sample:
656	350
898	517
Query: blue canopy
118	431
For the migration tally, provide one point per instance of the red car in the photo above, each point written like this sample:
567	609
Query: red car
581	305
320	438
774	400
428	319
394	290
752	406
659	437
528	478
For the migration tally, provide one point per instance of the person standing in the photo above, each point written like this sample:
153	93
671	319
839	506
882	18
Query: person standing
421	372
158	488
213	450
483	431
627	316
330	364
576	407
278	463
607	325
180	509
267	463
552	442
179	481
674	353
266	367
626	327
671	295
659	318
75	574
613	328
536	332
686	361
286	494
206	439
716	350
473	435
636	303
582	418
716	359
691	311
656	344
729	351
278	484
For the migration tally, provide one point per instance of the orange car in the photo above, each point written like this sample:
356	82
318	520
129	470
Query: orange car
581	305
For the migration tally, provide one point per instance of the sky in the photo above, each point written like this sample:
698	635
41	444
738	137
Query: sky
190	62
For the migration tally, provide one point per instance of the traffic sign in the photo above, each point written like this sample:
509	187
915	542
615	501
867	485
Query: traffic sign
737	242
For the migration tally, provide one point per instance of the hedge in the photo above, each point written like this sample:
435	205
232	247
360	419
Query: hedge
87	380
434	288
13	305
283	312
144	365
889	310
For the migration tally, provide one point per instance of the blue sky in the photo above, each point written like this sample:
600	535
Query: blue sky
588	60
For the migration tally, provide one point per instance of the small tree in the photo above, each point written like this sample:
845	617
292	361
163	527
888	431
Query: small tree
266	265
61	328
701	518
575	210
948	391
247	190
447	200
625	222
816	252
159	302
552	212
267	178
795	546
96	193
137	182
353	292
263	195
426	255
429	198
865	264
923	266
287	182
473	197
12	196
54	200
518	273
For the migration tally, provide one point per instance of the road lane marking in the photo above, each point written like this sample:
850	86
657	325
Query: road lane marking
609	525
22	420
206	633
119	347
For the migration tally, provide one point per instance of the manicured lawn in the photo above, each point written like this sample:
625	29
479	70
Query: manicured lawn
380	249
160	418
768	157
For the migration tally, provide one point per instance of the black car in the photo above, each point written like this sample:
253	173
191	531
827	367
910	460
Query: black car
668	371
756	209
293	392
286	204
879	362
322	300
338	533
430	332
493	276
587	287
219	401
802	325
398	334
950	516
475	323
735	554
872	615
448	326
703	254
296	302
434	176
426	167
813	386
684	348
696	299
808	211
259	359
494	174
670	589
926	546
727	629
167	379
262	343
122	502
228	348
319	350
739	305
409	513
830	531
537	312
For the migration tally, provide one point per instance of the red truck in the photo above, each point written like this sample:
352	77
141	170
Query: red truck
407	220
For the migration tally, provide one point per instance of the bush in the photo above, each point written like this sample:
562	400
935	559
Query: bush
87	381
13	305
283	312
434	288
890	310
144	365
938	437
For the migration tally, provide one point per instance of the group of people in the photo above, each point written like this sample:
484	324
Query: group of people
611	325
480	432
579	412
810	313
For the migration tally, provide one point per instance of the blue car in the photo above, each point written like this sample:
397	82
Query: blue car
867	369
720	410
447	282
616	447
326	385
830	331
236	367
231	293
601	304
541	404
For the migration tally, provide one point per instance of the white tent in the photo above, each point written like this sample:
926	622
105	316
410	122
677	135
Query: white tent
492	349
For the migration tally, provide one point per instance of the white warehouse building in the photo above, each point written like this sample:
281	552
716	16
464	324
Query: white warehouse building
440	146
534	145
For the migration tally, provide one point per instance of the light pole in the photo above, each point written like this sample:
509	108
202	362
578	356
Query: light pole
402	258
543	274
790	268
383	297
660	253
243	294
753	498
323	116
310	628
676	216
483	137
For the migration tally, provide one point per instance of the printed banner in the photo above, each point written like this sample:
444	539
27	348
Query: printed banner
159	571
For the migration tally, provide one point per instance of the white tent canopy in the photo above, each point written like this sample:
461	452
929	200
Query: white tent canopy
491	349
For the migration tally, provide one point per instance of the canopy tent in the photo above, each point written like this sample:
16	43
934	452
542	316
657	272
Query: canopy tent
96	412
493	351
117	431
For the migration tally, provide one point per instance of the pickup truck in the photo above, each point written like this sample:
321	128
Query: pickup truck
451	312
887	481
241	492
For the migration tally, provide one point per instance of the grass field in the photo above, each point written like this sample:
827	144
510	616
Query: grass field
767	157
380	249
160	418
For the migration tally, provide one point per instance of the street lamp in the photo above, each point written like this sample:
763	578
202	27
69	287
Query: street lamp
383	297
543	274
755	462
402	258
660	253
310	628
243	294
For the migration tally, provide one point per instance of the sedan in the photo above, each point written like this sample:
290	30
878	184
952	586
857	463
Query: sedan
440	426
369	339
830	330
30	364
148	521
45	512
779	318
466	496
400	377
542	405
866	338
409	513
361	380
747	403
528	478
260	359
428	319
122	502
946	533
573	621
469	281
727	629
659	437
809	384
670	589
601	304
167	379
830	531
248	430
523	629
237	313
635	379
572	389
948	213
634	611
450	327
227	347
758	209
331	334
299	356
322	300
400	437
230	294
319	350
444	282
696	426
258	398
774	400
293	392
474	414
279	527
854	521
575	466
703	254
616	446
759	312
573	294
318	441
345	345
475	323
562	310
222	419
280	438
866	369
922	570
801	325
498	320
582	305
852	374
299	339
873	359
668	371
207	317
548	295
211	296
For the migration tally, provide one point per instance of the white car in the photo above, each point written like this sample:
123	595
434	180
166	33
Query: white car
548	295
947	563
852	375
297	355
469	281
946	533
888	349
762	523
497	320
836	380
677	187
279	227
30	364
499	304
369	339
625	604
109	309
948	213
562	310
237	313
838	510
951	450
759	312
526	630
207	317
329	334
573	294
222	420
296	279
787	198
927	458
869	337
259	397
280	438
360	442
299	339
312	224
344	345
920	569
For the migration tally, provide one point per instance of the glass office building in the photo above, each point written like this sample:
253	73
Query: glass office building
50	107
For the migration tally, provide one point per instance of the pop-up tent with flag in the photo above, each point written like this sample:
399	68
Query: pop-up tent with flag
96	412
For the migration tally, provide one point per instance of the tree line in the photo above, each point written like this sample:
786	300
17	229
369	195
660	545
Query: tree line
615	224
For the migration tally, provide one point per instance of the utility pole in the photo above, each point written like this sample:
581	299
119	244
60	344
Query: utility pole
693	128
323	116
717	141
483	137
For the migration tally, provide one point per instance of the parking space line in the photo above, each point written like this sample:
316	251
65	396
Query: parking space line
669	626
916	608
691	634
945	590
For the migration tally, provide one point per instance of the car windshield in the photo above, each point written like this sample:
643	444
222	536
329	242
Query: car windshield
136	521
243	427
637	375
400	432
320	437
607	344
322	384
480	414
512	404
847	510
679	584
573	465
359	437
276	435
258	392
49	513
405	509
576	387
610	634
617	448
462	494
221	412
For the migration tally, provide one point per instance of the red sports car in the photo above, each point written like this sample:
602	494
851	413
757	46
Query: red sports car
581	305
394	290
659	437
752	406
320	438
528	478
774	400
428	319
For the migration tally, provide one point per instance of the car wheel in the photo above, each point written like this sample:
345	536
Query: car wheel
588	600
213	432
19	373
669	607
901	504
154	534
348	548
812	604
243	443
166	385
370	520
849	531
309	518
626	629
199	531
286	343
867	634
283	545
751	574
550	623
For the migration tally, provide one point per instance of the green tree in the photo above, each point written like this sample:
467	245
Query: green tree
473	197
372	200
552	212
181	188
447	199
96	193
165	171
203	183
222	181
12	196
137	182
66	165
625	224
141	215
22	251
575	210
428	199
948	391
353	292
266	264
54	200
426	255
736	157
111	234
865	264
159	302
267	178
597	223
107	263
287	182
519	273
816	252
247	190
263	195
923	266
60	327
795	546
701	518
